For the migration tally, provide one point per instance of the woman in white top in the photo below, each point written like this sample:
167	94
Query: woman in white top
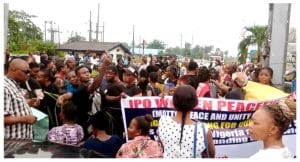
268	124
177	133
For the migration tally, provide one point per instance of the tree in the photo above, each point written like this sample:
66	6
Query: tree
258	35
175	51
47	47
156	44
243	50
187	51
22	32
226	53
208	49
76	38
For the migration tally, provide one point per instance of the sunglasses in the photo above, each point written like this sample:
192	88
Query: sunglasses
25	71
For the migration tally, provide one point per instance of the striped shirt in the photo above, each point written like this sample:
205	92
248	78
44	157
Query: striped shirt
16	105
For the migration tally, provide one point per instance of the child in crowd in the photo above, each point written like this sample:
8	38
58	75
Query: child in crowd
101	142
265	76
140	145
69	133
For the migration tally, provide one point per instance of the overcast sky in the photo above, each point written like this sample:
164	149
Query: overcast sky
209	22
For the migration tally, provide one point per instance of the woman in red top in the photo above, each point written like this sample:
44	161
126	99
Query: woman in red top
203	89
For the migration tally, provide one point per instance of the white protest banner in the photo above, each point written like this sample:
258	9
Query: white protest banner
228	120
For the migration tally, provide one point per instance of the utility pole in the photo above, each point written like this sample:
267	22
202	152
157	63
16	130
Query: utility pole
181	44
58	36
52	30
90	31
103	32
133	41
5	23
266	54
191	47
279	37
52	33
143	46
45	31
97	25
140	45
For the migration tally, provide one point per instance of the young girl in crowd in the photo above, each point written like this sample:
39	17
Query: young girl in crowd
69	133
140	145
268	124
265	76
101	142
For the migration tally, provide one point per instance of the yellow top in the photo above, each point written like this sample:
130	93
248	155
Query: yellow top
258	91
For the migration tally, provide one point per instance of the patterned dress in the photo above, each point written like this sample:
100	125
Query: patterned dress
169	134
68	134
141	147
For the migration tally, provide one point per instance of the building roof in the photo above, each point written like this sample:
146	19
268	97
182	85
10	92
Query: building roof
92	46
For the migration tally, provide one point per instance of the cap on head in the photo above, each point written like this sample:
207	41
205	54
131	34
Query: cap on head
240	79
131	70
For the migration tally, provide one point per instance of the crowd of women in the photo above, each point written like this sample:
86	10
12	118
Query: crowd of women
85	111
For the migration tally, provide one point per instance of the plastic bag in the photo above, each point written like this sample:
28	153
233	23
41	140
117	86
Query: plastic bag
41	126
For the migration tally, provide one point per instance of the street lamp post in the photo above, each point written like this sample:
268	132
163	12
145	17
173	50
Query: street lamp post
193	38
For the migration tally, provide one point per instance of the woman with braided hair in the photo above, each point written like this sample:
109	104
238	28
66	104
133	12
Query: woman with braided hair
268	124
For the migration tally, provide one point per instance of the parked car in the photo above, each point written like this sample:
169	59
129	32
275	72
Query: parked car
29	149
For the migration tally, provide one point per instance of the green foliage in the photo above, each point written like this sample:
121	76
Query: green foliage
257	35
76	38
60	54
243	50
47	47
156	44
22	32
24	36
198	52
175	51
